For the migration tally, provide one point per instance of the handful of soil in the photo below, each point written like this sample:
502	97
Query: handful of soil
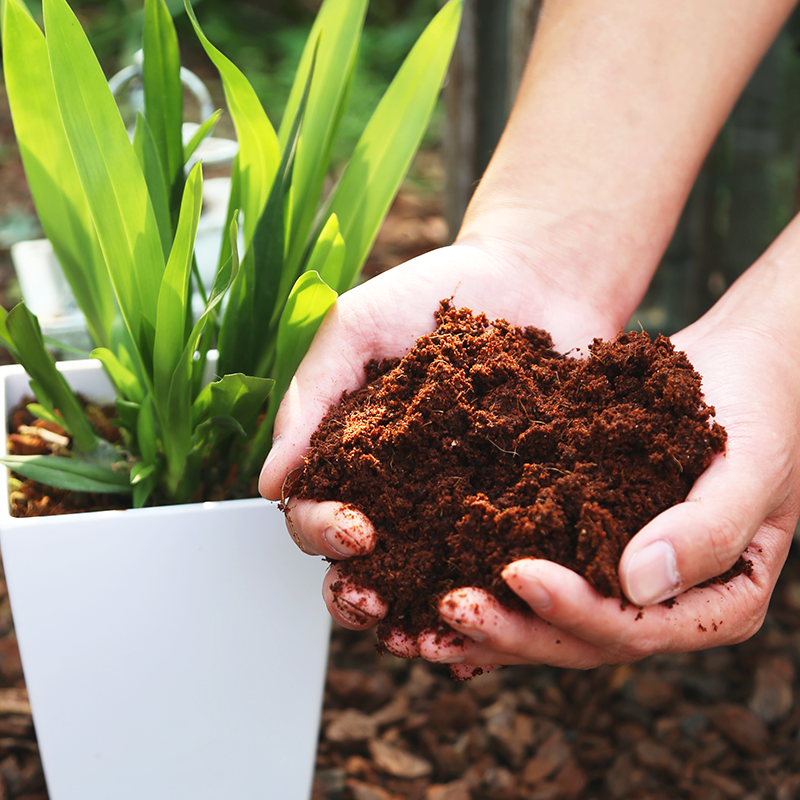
483	445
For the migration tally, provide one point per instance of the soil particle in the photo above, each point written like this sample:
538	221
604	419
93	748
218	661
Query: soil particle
484	445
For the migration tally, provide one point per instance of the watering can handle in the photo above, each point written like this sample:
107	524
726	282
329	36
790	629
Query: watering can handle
119	81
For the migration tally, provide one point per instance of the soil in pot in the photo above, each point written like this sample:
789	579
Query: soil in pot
484	445
32	436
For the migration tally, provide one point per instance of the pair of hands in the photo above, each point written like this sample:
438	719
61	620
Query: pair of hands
748	499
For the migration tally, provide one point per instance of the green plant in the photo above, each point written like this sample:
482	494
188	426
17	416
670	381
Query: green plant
122	218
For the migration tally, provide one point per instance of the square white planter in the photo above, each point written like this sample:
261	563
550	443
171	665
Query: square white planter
169	653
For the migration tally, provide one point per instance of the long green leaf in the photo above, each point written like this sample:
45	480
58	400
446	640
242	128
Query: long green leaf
50	169
143	481
236	346
125	381
263	280
128	413
273	278
234	207
305	309
27	336
173	302
173	298
163	94
327	257
204	129
337	27
259	152
45	412
73	474
309	301
150	161
392	136
147	431
109	173
179	400
44	408
5	337
237	395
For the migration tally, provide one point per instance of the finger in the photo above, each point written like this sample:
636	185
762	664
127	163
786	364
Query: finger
329	529
701	618
700	538
350	605
401	644
499	635
450	647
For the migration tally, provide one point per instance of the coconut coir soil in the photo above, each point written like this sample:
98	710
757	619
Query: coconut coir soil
484	445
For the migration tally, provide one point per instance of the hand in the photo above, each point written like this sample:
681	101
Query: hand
385	316
746	350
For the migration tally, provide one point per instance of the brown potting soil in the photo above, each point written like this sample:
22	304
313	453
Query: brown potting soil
484	445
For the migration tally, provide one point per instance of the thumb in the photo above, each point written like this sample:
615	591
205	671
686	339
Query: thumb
698	539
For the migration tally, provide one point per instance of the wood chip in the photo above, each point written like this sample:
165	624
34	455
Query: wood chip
367	791
351	725
551	755
397	761
48	436
457	790
741	727
773	697
14	701
395	710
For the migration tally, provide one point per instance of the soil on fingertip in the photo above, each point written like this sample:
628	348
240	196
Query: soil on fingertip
484	445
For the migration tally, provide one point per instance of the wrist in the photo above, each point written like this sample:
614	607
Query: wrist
587	255
764	300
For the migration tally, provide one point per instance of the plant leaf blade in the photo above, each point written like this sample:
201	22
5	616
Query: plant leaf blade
73	474
109	173
392	136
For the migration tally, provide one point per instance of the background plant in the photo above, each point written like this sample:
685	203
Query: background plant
122	217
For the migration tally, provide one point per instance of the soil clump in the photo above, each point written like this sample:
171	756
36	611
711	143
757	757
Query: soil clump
484	445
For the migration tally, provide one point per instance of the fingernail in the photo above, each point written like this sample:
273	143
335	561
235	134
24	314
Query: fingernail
521	579
295	538
474	633
461	620
653	574
468	630
355	616
446	659
343	542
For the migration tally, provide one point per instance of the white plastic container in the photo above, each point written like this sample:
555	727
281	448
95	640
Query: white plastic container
170	653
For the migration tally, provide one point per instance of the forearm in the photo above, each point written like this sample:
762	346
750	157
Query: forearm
618	107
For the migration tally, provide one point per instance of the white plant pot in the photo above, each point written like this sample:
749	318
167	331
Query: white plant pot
174	652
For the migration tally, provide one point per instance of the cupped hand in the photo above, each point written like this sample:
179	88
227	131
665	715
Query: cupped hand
748	502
